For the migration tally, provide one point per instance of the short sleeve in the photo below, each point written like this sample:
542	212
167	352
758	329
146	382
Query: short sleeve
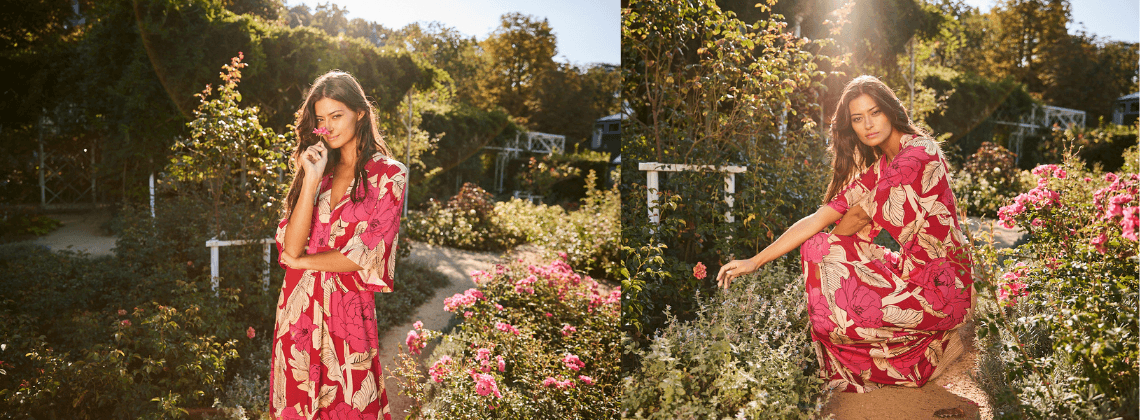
366	232
908	188
279	237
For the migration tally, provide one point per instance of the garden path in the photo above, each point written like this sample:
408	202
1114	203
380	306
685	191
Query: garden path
80	232
954	389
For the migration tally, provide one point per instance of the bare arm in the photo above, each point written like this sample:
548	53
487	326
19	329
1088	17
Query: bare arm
313	160
330	261
795	236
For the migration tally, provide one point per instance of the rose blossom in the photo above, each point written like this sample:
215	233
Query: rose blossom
440	369
1099	241
699	271
502	363
418	325
815	248
572	362
505	327
125	322
567	329
1130	223
586	379
485	385
863	305
250	333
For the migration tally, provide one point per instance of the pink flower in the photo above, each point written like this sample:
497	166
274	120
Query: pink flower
125	322
498	306
1130	223
1036	222
1118	203
863	305
1042	182
321	131
1044	170
505	327
572	362
502	363
562	255
548	314
1087	179
1060	173
815	248
341	411
1110	177
586	379
567	329
699	271
250	333
440	369
315	372
122	312
549	382
468	314
414	342
483	354
1099	241
485	385
460	300
1009	292
418	325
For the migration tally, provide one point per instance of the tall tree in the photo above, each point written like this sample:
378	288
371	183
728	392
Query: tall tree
520	51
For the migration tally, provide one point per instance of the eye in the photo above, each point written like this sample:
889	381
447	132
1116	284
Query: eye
856	119
876	112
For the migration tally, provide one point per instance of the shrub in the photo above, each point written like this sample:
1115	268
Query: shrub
465	222
746	354
987	181
1060	310
534	343
20	225
542	173
588	235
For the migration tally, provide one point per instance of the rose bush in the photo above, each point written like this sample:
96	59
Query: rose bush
546	350
1059	314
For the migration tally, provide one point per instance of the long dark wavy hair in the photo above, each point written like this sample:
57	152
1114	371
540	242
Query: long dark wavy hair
344	88
849	155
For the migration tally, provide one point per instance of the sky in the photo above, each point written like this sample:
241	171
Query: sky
1118	20
588	31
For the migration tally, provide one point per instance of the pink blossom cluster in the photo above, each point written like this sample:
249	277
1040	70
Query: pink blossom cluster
480	277
572	362
557	384
1040	197
699	271
485	385
462	300
526	285
1118	195
586	379
568	329
505	327
1012	285
440	369
414	341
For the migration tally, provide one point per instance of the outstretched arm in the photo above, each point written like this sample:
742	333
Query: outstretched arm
331	261
792	238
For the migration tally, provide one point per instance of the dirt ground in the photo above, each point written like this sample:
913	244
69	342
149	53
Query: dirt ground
953	389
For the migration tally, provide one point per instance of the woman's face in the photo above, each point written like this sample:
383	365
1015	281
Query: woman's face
870	123
339	119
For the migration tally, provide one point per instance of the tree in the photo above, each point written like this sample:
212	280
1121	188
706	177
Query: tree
519	52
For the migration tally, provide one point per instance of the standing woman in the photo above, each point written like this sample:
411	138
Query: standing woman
338	246
880	317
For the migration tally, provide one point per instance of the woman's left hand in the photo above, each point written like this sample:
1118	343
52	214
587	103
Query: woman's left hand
292	262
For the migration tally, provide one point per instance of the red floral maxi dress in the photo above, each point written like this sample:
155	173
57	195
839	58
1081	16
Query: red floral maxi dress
325	349
885	318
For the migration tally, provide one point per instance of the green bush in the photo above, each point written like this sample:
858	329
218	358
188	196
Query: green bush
588	235
465	222
19	225
987	181
534	343
746	354
1059	315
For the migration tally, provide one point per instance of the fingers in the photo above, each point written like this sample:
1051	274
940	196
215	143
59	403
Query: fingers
725	276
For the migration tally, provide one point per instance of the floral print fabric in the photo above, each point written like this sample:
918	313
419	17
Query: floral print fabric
880	317
325	361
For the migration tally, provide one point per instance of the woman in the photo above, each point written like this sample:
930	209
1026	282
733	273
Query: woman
343	211
880	317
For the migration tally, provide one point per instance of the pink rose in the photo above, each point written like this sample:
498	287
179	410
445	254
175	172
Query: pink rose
485	385
315	372
586	379
384	224
1130	223
125	322
572	362
419	325
1036	222
1099	241
699	271
933	277
815	248
863	305
568	329
502	363
251	333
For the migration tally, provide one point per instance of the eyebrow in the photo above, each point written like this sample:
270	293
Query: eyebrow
869	110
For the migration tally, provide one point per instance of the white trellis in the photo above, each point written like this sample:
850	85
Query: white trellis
652	168
535	143
214	243
1041	116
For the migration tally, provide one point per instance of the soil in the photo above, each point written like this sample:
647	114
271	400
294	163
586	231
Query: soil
951	391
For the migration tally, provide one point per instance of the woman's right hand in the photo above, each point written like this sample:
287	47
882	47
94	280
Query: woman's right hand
734	269
313	160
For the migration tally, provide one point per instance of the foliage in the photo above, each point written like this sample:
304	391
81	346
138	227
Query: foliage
535	342
18	225
987	181
746	354
706	88
1101	148
541	174
1059	311
465	222
588	235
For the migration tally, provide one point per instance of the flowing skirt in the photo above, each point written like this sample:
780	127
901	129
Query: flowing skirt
873	325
